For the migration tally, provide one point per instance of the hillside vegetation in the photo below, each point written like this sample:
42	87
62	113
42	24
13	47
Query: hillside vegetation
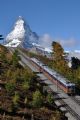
21	95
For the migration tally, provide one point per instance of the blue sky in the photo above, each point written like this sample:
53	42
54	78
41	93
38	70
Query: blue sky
52	19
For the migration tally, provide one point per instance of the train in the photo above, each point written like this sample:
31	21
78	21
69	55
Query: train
55	77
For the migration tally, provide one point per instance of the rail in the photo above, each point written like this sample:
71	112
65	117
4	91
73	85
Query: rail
75	100
69	109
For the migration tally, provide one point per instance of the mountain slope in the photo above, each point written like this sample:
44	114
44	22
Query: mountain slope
21	34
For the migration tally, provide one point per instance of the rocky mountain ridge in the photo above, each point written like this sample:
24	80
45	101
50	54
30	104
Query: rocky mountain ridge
21	34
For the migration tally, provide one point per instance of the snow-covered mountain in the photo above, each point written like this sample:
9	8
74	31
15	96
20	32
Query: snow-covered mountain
21	34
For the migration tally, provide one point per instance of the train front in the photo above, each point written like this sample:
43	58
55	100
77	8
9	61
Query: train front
71	89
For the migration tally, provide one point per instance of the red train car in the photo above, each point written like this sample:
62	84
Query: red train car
56	78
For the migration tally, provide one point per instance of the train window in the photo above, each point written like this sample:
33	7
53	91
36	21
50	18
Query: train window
71	87
67	82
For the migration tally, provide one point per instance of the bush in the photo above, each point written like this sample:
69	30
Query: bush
9	87
37	99
25	85
15	59
16	98
50	99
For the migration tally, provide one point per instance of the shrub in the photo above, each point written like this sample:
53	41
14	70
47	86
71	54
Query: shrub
9	87
37	99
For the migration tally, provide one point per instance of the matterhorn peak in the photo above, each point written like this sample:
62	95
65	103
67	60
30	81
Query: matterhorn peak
21	34
20	17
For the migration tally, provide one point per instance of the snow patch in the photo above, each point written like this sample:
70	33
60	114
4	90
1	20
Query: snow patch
13	43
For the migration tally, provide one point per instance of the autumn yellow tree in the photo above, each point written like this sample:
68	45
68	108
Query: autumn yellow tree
59	58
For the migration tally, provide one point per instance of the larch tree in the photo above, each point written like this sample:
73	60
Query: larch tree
58	57
58	51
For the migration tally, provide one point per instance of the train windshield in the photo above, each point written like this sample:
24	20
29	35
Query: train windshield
71	89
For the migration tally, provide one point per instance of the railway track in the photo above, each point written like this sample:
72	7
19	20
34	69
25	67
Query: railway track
75	100
68	108
72	112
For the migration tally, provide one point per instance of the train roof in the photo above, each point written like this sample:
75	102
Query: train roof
56	75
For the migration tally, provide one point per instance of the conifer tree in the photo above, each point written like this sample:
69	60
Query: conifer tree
58	51
59	58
